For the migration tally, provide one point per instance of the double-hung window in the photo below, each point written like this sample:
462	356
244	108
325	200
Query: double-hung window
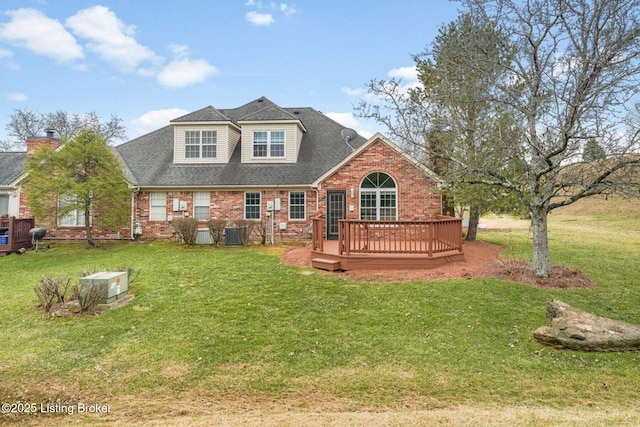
157	206
201	203
70	218
297	204
200	144
252	203
268	143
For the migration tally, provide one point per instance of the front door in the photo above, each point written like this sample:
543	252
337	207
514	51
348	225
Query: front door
336	210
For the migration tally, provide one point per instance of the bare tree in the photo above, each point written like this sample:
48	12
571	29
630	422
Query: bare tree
26	124
570	76
405	117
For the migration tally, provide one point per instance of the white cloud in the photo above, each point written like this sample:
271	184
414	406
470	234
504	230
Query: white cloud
31	29
179	50
5	53
260	18
352	92
156	119
110	38
17	97
287	9
405	73
348	120
185	72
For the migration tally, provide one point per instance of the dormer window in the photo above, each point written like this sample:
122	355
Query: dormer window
200	144
268	143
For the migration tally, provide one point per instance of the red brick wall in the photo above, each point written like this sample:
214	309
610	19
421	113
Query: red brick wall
228	206
417	200
417	195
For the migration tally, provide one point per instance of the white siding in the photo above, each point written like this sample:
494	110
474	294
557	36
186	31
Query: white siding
292	135
234	137
227	138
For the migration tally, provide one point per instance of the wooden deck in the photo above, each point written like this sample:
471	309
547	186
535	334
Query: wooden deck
14	234
374	245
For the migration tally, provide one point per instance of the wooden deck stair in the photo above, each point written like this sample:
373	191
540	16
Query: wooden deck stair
326	264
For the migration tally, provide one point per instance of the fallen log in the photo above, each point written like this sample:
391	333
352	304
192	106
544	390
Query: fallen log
578	330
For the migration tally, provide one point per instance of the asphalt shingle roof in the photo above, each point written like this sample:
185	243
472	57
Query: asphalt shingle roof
149	158
11	166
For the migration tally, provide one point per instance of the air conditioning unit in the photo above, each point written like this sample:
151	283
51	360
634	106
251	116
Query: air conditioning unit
116	285
204	237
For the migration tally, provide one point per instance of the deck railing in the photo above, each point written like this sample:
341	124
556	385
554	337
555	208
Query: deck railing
400	237
443	234
17	232
317	234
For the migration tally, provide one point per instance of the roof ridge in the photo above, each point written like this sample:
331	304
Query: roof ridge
269	107
215	113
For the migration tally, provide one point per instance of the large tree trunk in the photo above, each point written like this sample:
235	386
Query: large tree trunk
474	220
541	258
87	228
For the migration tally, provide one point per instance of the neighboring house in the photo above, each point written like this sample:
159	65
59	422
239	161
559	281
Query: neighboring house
261	162
11	167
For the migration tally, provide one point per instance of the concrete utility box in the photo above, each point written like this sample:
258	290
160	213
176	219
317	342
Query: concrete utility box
116	284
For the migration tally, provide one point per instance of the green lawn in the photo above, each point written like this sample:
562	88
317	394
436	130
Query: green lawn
224	325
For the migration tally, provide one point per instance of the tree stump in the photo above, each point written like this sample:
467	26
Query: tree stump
578	330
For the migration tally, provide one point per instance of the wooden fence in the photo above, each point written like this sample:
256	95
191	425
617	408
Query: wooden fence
14	233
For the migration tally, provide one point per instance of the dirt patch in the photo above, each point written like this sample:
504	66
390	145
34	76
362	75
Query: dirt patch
482	259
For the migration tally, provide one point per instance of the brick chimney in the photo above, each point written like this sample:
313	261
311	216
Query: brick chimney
35	143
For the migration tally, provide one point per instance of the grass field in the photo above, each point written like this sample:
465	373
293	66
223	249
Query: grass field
233	336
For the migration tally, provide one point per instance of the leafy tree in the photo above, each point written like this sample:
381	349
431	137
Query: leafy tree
84	176
570	74
446	119
454	93
593	151
26	124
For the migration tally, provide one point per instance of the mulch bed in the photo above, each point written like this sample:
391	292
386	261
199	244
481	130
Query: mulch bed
481	260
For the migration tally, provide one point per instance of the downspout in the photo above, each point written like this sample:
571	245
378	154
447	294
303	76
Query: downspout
317	198
133	212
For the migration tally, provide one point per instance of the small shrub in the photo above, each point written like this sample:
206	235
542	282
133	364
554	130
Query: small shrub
244	227
216	230
187	229
89	296
51	291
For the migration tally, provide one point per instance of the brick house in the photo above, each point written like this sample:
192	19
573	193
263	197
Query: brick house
279	166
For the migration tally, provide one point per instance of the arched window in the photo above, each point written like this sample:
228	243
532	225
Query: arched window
378	198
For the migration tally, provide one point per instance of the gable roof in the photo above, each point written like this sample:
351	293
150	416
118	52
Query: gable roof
271	112
12	165
375	138
206	114
149	158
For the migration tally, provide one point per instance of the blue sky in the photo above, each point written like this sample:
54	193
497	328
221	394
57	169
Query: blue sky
150	61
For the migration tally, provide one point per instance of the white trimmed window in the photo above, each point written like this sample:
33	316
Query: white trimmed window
4	204
200	144
268	143
157	206
297	205
73	218
252	203
201	204
378	198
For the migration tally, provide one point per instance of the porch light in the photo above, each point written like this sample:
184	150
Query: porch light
353	192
